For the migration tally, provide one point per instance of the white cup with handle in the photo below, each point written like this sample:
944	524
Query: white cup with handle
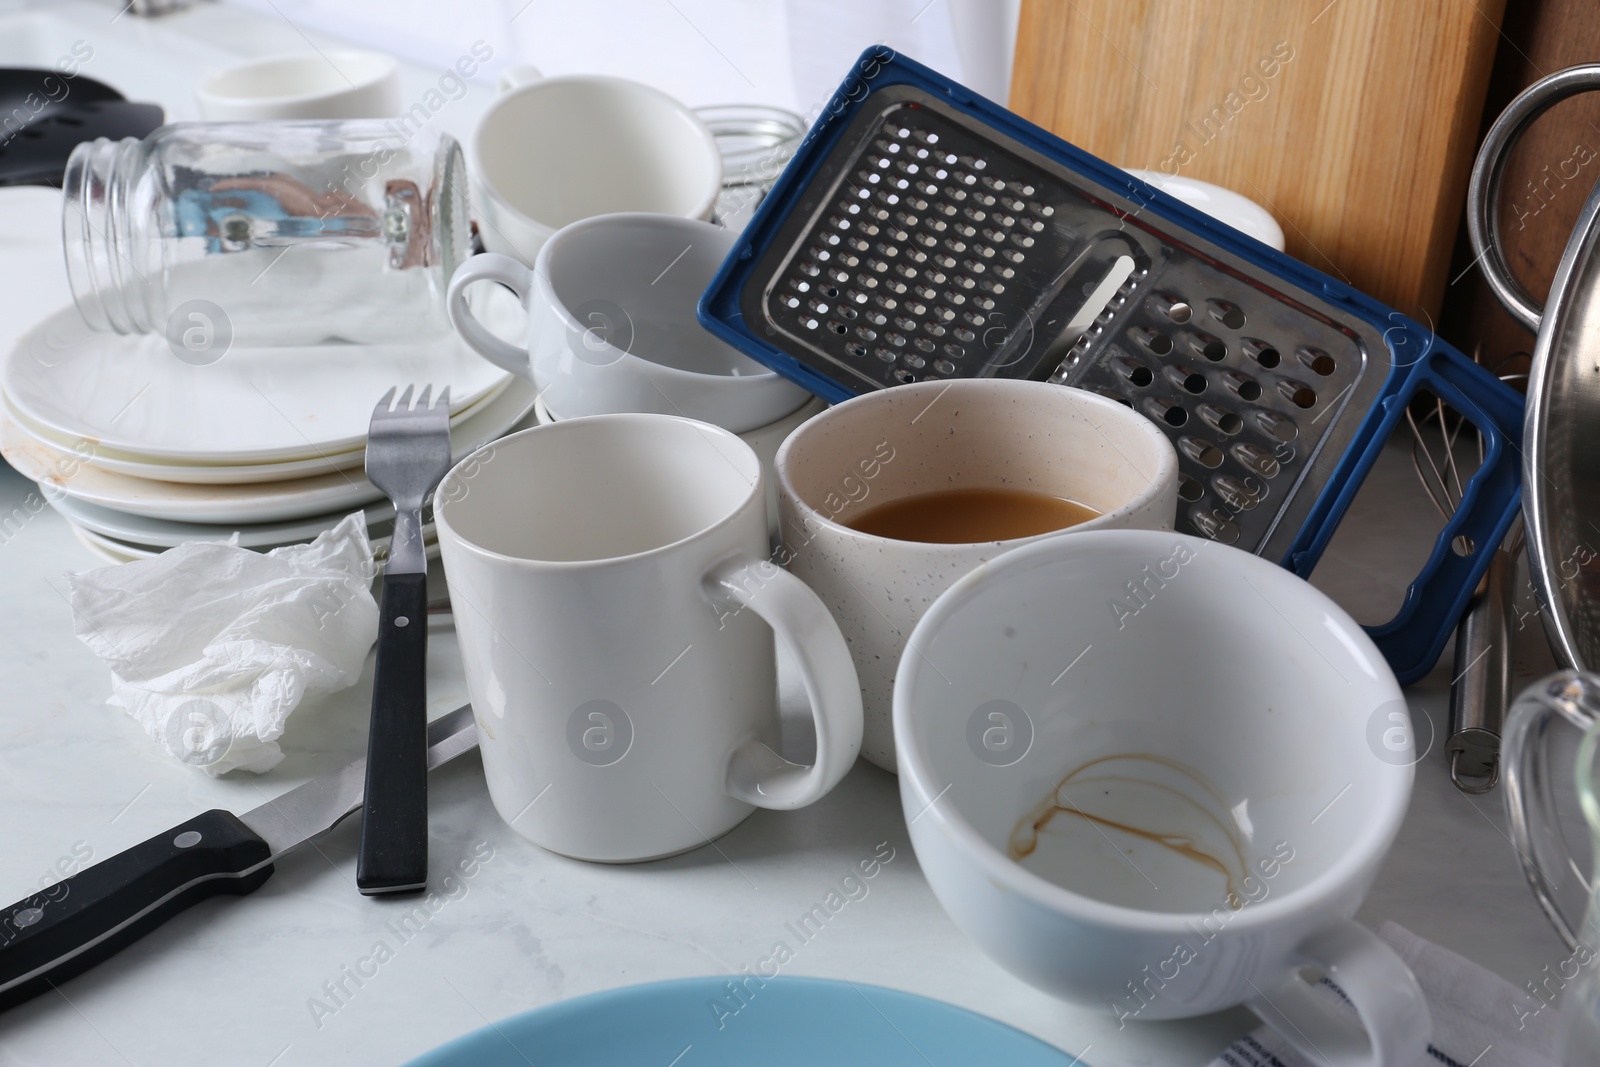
1155	776
611	324
616	610
342	84
551	151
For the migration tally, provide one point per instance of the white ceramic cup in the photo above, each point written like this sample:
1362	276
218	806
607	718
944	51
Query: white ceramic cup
551	151
930	436
611	324
304	85
1077	695
616	611
763	440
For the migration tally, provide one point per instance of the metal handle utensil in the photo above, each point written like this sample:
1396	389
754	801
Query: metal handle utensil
408	451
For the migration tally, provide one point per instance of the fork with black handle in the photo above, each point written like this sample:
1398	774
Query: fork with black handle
408	451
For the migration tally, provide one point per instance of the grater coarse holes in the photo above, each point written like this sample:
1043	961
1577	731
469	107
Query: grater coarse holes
936	251
1004	251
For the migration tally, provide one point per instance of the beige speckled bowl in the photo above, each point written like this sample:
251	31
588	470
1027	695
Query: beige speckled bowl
932	436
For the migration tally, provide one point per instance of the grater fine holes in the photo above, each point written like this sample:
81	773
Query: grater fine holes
1298	393
914	361
1277	427
885	354
838	327
954	350
903	376
1175	416
1221	421
856	349
1188	489
1204	453
944	366
1317	360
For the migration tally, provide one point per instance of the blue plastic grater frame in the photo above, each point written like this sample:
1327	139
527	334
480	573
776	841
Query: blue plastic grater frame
1435	599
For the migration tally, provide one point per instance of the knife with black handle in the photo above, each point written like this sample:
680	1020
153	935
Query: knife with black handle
74	924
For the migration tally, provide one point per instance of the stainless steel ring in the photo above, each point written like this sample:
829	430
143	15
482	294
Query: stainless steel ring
1483	191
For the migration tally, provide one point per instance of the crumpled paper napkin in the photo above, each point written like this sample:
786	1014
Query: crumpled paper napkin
1479	1018
211	646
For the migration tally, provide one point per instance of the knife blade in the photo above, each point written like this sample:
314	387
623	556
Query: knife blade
77	922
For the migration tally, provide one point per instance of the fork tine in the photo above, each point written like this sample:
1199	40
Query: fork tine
404	403
444	400
422	397
384	402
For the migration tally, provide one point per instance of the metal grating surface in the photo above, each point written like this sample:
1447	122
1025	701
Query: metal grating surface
931	248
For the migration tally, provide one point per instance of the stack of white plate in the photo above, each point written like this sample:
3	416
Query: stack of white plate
142	451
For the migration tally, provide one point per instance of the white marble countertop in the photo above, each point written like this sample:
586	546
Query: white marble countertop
254	981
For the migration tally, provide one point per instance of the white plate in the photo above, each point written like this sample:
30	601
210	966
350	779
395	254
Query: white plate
113	551
168	533
218	474
131	396
261	502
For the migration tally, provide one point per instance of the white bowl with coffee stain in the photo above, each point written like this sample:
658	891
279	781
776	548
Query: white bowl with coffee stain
1155	775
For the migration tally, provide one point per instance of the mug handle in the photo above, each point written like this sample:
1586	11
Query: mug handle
756	774
1378	984
489	267
518	76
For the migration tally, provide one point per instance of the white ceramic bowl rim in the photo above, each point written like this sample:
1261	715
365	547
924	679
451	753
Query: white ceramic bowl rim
1165	470
376	72
441	512
546	289
480	173
1336	879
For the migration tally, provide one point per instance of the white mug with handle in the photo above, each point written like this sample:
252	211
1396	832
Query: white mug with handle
616	612
611	324
1155	776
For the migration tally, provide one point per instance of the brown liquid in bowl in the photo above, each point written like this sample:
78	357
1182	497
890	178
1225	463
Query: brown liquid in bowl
964	516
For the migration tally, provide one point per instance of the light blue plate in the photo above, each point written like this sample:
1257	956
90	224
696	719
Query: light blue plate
786	1022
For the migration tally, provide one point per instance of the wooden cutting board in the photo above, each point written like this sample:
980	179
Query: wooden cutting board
1352	121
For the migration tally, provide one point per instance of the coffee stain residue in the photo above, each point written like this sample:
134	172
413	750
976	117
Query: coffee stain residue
1173	829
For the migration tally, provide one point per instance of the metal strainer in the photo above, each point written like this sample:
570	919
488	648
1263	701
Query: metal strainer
1561	437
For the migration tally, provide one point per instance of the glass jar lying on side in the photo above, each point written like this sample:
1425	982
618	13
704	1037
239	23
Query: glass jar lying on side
295	232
